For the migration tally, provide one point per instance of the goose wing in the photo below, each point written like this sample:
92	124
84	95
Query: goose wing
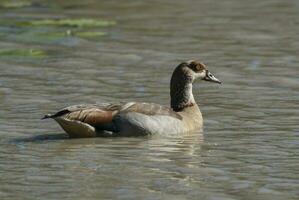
92	114
90	120
151	109
103	113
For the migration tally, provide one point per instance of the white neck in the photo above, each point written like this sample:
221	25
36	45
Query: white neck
189	93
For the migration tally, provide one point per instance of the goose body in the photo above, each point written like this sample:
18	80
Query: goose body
136	118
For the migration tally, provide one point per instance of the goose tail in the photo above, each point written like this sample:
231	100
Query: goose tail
47	116
58	114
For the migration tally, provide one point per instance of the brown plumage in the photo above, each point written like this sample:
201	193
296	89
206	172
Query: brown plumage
101	115
135	118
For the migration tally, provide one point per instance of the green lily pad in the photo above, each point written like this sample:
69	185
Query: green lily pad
51	36
72	22
33	53
69	33
15	4
90	34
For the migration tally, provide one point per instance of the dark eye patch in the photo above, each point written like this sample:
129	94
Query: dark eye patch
196	66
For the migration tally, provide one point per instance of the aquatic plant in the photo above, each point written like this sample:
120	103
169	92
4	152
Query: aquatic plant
33	53
15	4
83	22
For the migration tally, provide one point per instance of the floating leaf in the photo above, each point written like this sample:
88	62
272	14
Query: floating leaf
70	33
90	34
15	4
23	53
73	22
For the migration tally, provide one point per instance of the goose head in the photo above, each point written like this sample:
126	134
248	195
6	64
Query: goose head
196	70
181	83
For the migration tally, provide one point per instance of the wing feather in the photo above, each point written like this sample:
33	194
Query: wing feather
152	109
100	115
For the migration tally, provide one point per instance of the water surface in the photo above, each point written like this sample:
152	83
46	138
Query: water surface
249	146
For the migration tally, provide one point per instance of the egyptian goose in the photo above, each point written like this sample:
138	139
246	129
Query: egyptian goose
136	119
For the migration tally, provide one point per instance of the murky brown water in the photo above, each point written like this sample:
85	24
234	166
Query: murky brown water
250	145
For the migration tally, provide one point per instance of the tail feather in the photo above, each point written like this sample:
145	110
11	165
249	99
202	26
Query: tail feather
47	116
58	114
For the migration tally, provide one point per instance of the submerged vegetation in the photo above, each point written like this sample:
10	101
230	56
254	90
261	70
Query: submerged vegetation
39	30
28	53
15	4
61	28
72	22
54	29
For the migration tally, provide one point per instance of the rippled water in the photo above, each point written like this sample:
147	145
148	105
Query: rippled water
249	147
